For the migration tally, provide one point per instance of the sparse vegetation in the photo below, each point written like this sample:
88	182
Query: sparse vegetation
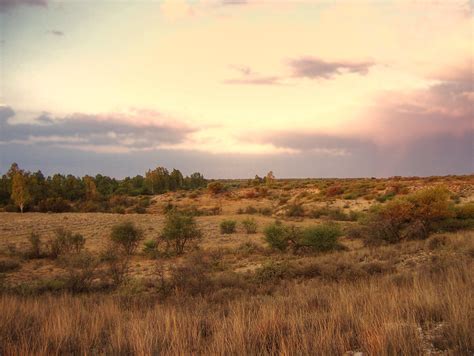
250	225
228	226
315	279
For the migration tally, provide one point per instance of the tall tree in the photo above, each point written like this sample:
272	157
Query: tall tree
20	194
91	189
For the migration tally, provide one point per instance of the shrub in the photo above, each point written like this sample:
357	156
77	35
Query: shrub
34	250
250	210
272	272
320	237
227	226
413	216
8	265
66	242
81	270
192	277
266	211
117	263
150	248
127	236
179	230
334	190
216	188
250	226
276	235
465	211
295	210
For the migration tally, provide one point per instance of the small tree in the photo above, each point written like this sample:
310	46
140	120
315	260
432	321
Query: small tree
20	193
126	236
179	230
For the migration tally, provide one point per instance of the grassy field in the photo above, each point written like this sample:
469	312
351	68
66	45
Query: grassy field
232	293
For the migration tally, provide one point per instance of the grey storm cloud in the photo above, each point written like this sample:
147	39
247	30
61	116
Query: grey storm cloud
314	68
81	130
6	5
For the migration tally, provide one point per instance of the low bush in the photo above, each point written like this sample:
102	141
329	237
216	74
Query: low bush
34	250
150	248
216	188
321	238
464	211
318	238
8	265
295	210
276	235
227	226
81	271
413	216
117	265
127	236
66	242
250	226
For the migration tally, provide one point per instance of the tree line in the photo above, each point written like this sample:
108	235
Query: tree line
23	190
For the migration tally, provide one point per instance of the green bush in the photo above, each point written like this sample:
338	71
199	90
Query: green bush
126	236
228	226
320	238
276	235
179	230
250	226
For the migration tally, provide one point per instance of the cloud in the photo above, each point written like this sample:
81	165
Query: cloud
249	77
446	107
6	5
255	81
138	130
6	112
314	68
56	33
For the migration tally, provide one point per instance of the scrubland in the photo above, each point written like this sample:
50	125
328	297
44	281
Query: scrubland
381	267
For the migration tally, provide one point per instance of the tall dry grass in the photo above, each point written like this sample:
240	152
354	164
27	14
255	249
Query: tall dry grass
401	314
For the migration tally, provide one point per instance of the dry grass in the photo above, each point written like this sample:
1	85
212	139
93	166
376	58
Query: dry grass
384	316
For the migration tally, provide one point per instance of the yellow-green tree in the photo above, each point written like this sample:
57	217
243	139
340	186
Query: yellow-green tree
20	193
91	188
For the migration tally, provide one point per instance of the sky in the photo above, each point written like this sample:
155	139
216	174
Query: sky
234	88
